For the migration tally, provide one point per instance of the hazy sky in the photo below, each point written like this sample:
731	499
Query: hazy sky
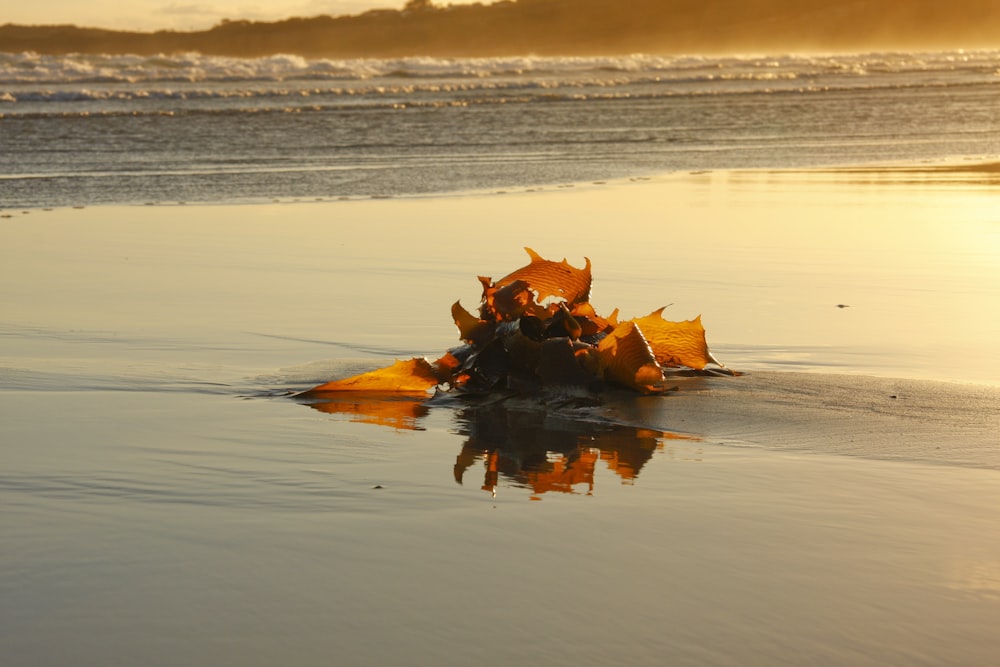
179	14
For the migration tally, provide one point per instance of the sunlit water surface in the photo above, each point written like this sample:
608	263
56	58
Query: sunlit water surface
107	129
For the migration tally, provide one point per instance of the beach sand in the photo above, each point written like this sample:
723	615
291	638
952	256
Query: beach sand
164	501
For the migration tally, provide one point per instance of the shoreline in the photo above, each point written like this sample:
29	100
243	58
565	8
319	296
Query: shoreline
983	170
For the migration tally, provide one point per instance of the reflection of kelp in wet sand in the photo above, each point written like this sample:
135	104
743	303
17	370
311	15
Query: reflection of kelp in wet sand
533	444
399	411
536	451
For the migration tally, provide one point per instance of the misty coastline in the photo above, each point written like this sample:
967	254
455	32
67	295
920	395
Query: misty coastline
557	27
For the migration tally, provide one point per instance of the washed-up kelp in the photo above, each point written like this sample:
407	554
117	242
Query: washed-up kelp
536	329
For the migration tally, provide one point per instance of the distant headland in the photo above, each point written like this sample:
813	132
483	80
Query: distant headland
560	27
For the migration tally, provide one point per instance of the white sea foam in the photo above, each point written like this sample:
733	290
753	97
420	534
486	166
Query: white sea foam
31	68
39	84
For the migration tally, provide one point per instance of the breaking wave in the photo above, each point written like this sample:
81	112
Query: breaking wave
41	85
32	68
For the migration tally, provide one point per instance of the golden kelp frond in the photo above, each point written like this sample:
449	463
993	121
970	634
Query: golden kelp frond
446	366
512	300
590	322
553	279
470	327
412	376
626	359
676	343
507	302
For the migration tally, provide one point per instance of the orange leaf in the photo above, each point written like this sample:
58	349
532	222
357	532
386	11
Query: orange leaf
413	376
552	279
471	329
627	360
591	323
675	343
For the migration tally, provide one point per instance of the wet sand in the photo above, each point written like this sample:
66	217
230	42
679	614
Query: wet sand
854	415
162	499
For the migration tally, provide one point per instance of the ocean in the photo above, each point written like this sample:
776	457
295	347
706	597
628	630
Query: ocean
101	129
